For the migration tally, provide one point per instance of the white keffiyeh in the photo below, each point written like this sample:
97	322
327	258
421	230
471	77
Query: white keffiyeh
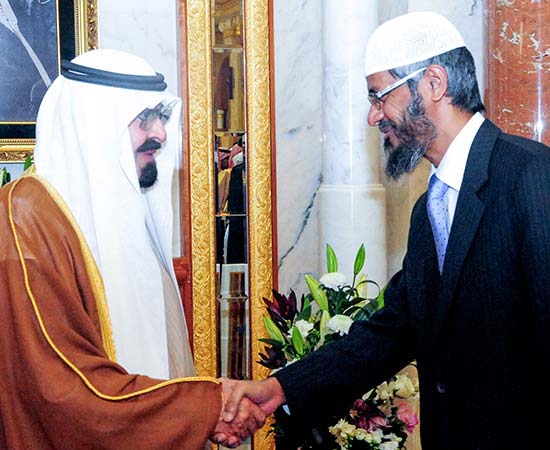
83	149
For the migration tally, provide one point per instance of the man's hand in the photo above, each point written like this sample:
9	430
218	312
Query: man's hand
267	394
248	419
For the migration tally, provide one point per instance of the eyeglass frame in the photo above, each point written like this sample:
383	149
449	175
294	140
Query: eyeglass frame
376	97
161	111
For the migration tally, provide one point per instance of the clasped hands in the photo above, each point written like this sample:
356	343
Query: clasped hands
246	406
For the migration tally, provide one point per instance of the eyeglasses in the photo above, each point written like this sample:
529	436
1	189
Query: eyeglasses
375	98
162	112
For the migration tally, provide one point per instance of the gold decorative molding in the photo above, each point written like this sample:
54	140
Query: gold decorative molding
14	151
201	168
92	39
86	33
258	108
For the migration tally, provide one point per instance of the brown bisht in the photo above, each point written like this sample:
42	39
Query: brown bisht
60	385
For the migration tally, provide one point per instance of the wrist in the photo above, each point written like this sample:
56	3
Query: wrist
276	390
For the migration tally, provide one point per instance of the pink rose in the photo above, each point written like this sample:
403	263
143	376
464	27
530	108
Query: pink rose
405	415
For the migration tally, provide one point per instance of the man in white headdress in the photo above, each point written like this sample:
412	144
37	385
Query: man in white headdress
91	311
472	302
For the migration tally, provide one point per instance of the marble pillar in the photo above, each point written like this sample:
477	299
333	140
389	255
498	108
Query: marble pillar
298	67
517	48
352	202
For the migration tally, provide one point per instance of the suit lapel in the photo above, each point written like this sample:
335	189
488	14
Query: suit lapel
469	210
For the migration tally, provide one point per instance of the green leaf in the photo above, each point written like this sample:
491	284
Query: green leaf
273	330
323	326
297	341
319	295
380	298
272	342
359	260
28	163
305	313
5	176
332	261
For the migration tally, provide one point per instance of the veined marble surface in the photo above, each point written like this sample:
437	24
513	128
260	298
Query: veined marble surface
147	29
299	122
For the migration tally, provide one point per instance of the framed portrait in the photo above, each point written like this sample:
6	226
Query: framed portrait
35	35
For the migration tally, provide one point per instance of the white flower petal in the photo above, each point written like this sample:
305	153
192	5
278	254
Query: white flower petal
333	280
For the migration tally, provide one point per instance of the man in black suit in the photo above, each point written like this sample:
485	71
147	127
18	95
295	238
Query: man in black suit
472	302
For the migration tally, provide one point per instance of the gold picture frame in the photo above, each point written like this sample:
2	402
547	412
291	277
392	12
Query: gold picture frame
75	22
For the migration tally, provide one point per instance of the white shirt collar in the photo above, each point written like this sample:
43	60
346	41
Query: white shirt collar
452	166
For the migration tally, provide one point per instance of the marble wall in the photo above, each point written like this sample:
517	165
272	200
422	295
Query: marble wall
298	59
516	43
147	29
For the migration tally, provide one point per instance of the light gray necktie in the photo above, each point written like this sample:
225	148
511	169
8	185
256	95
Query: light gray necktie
438	215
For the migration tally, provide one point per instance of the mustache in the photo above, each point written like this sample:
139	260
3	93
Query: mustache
149	144
386	124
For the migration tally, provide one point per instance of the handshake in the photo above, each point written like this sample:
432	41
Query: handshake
245	408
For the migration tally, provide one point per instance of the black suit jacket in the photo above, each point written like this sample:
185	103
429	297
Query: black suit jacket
480	331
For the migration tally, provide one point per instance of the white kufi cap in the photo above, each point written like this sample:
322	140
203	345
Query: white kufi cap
409	39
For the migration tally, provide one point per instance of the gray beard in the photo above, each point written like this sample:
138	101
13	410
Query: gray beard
403	159
415	135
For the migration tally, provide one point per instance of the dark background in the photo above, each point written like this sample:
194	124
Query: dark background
21	87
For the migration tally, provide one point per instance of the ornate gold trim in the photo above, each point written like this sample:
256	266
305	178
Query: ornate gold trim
199	42
201	168
86	28
259	174
13	151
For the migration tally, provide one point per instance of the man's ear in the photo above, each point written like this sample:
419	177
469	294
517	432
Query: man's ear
436	76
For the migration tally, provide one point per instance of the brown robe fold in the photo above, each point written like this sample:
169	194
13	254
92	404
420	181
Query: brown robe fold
58	387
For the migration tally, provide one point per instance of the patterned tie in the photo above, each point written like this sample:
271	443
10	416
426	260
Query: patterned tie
437	212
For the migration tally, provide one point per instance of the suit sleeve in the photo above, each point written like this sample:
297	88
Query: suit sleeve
326	382
59	388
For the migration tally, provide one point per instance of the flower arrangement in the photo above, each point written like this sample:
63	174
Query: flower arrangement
381	419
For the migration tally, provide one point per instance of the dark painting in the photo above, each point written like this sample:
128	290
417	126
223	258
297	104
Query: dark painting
28	56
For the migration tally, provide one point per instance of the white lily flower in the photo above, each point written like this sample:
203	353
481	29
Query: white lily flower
304	327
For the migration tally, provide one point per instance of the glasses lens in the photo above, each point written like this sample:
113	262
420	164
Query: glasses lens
162	112
148	116
374	101
166	111
164	115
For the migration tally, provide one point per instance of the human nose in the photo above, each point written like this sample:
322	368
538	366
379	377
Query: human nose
157	131
375	115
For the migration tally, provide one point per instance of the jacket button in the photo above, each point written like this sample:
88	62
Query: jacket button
441	388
